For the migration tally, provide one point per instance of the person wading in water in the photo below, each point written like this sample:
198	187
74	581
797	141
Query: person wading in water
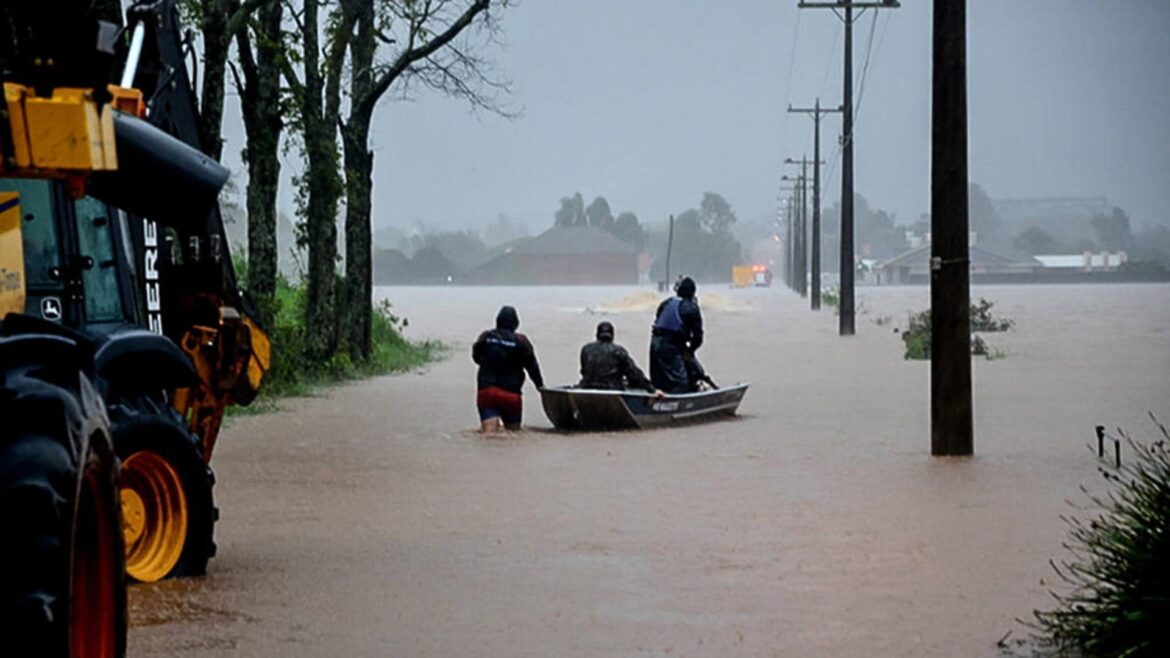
677	334
608	366
503	356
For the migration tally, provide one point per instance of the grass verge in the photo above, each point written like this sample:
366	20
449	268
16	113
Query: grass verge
290	374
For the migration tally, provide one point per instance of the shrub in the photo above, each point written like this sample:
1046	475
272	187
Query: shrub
1119	572
291	373
916	337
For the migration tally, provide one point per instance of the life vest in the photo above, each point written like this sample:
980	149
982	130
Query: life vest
670	319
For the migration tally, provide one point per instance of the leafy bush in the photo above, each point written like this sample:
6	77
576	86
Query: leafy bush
291	373
983	320
916	337
1120	566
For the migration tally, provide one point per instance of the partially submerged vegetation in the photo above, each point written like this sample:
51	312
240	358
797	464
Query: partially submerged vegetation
291	373
1119	572
916	337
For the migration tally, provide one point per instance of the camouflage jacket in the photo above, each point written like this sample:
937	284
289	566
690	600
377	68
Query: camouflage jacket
607	365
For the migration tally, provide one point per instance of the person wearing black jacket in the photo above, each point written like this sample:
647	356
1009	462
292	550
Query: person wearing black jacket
677	334
503	355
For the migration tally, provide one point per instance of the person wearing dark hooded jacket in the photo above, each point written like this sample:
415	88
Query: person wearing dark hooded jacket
677	334
503	356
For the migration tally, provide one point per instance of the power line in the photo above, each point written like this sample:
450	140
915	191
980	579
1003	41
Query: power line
829	61
788	82
844	10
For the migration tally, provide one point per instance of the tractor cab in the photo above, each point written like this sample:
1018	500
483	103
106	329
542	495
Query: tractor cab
77	264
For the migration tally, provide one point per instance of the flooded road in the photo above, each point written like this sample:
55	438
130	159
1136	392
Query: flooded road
374	521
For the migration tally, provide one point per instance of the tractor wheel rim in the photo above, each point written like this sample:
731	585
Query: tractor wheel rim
156	506
93	603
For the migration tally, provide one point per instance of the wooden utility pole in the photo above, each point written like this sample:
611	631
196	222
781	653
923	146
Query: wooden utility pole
800	259
951	417
848	268
815	266
790	240
804	226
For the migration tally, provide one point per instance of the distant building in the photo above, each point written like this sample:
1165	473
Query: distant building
913	267
1086	262
562	255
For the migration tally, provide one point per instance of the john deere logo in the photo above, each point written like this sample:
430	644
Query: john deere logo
51	308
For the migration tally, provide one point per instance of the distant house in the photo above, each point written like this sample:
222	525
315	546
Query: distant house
562	255
1085	262
986	265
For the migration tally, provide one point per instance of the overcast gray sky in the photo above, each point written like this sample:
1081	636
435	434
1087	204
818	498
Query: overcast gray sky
653	102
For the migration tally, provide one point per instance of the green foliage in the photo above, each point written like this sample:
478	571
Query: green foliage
698	252
1119	572
1034	240
831	298
916	337
1112	230
572	211
291	373
715	213
599	214
876	233
627	229
983	320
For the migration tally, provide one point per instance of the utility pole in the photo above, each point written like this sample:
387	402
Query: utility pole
951	417
789	251
801	230
790	241
847	326
804	226
815	274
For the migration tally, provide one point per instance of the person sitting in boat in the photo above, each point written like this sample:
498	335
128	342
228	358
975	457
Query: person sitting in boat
503	355
608	366
677	334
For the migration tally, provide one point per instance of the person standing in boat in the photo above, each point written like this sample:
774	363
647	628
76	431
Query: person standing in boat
677	334
503	355
608	366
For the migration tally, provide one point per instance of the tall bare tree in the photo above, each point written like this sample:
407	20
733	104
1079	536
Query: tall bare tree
318	99
219	21
261	57
423	38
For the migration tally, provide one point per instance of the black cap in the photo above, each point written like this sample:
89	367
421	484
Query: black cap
507	318
686	288
604	331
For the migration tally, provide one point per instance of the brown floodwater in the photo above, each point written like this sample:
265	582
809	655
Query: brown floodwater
373	521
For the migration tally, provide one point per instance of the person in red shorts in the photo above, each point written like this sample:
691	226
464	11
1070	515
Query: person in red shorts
503	356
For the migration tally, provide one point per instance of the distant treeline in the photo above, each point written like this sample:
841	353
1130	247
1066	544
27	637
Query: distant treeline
703	246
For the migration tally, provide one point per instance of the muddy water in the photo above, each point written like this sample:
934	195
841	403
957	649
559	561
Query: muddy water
372	521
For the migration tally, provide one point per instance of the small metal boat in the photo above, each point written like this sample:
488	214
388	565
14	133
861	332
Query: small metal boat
587	409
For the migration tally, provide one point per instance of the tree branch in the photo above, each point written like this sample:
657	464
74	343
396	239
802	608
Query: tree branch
236	21
414	53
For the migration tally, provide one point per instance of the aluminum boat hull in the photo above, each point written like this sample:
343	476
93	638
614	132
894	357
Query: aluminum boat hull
587	409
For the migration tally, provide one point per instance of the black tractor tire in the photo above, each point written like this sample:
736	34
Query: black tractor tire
149	431
62	573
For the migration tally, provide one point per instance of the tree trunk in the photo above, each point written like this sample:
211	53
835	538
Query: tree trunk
359	293
322	191
215	56
359	168
260	101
